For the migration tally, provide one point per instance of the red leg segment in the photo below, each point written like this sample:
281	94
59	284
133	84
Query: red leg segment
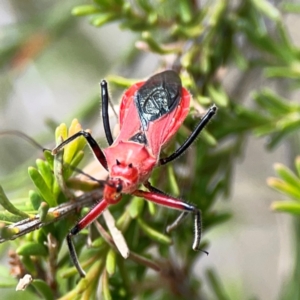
175	203
165	200
85	221
179	219
93	214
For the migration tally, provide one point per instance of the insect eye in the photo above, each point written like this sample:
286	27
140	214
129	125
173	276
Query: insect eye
130	165
119	188
118	163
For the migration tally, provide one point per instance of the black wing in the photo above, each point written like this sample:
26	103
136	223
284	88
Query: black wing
159	95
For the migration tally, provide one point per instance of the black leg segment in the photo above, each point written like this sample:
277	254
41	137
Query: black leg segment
92	143
105	116
73	253
210	113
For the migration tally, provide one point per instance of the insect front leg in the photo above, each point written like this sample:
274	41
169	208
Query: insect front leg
105	116
91	142
161	198
84	222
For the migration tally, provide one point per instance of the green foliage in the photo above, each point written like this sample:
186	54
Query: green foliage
201	43
289	185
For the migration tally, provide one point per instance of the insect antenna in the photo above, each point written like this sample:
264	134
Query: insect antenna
25	137
118	186
79	171
35	144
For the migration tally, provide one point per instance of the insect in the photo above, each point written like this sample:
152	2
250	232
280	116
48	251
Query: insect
151	112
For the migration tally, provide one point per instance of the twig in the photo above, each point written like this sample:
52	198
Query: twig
59	212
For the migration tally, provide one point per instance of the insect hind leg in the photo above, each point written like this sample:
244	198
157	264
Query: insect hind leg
197	227
159	197
204	121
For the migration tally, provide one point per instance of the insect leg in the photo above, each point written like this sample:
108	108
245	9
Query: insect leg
179	219
153	189
92	143
85	221
177	222
105	116
24	136
171	202
210	113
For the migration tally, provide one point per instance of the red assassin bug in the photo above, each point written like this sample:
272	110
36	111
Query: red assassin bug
151	112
